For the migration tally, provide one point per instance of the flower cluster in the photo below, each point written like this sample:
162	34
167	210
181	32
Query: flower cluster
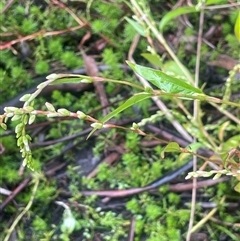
24	116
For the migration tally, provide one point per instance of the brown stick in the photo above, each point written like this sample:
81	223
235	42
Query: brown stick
129	192
41	33
188	186
92	70
131	230
14	193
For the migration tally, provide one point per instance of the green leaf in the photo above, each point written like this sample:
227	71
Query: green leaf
131	101
232	142
237	27
171	147
71	79
173	69
96	126
222	129
183	157
175	13
92	131
139	28
195	146
154	59
237	187
164	82
216	2
69	222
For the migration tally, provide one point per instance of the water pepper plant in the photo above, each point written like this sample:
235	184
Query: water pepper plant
156	216
167	86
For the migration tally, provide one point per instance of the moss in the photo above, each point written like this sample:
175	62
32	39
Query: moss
159	215
70	59
42	67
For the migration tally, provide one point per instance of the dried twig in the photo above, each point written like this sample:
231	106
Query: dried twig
14	193
92	70
111	158
131	230
8	5
41	33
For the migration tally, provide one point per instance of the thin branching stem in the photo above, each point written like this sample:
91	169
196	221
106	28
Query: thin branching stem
26	209
196	117
206	218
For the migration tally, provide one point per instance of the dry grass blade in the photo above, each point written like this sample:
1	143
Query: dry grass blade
92	70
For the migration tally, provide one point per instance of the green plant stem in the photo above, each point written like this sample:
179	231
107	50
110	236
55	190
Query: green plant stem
160	38
198	122
200	97
222	6
40	87
217	221
206	218
75	78
197	119
226	113
229	83
216	100
24	211
68	78
228	232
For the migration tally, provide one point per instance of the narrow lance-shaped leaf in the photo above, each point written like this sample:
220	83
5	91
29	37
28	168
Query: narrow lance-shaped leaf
214	2
164	82
175	13
237	27
154	59
131	101
139	28
71	79
173	67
